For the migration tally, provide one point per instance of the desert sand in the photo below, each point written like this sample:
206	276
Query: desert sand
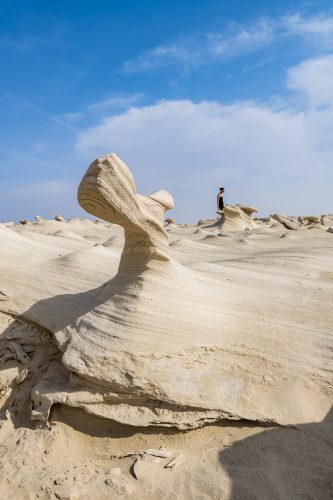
151	359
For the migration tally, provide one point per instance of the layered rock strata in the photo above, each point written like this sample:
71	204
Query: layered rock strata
206	329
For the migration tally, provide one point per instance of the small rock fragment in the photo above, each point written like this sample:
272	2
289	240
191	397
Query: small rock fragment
59	218
3	295
21	376
143	467
19	353
118	482
175	462
162	453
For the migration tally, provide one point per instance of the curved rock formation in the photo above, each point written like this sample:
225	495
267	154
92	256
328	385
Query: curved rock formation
287	222
237	217
162	344
107	191
144	332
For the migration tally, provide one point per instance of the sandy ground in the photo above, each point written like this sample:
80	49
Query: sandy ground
276	279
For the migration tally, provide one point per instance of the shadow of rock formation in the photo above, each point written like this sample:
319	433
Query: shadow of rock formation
292	463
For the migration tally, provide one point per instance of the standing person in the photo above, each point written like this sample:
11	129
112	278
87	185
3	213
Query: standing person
220	202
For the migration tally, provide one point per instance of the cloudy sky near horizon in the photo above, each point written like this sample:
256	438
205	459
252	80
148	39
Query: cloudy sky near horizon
190	94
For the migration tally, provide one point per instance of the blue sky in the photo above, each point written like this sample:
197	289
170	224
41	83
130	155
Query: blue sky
191	94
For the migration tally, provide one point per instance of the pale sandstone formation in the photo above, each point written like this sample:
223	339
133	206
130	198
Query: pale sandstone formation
161	343
312	219
302	222
108	191
288	222
237	218
270	302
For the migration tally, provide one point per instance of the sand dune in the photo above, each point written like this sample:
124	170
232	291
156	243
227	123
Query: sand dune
165	327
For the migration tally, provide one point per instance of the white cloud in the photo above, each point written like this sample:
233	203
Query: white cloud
235	41
196	51
265	157
116	101
314	80
318	26
72	117
185	52
242	40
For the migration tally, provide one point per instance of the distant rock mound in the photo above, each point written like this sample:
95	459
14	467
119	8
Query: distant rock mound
59	218
237	218
287	222
301	222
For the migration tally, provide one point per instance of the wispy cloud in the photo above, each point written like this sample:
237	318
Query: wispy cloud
208	47
36	110
25	43
234	41
19	157
72	117
320	26
242	40
115	101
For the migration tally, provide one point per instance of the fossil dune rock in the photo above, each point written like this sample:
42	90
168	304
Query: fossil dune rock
288	222
188	330
108	191
237	218
163	344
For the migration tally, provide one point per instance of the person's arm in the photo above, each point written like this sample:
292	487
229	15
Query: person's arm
217	199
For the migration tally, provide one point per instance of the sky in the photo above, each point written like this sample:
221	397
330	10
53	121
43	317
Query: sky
191	94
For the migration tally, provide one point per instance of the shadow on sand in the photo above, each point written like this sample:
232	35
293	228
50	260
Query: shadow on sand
283	463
